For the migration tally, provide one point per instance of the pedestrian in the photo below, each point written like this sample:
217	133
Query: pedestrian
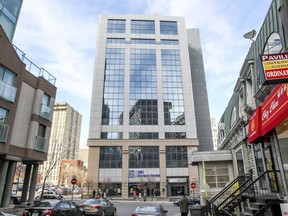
184	206
140	197
93	193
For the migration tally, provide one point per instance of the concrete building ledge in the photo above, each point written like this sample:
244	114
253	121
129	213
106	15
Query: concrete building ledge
198	157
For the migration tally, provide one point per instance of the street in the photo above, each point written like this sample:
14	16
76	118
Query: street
124	207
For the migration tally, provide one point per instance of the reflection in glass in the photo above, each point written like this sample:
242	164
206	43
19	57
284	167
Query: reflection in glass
172	88
142	135
110	157
113	100
116	26
175	135
143	157
176	156
168	27
111	135
143	88
142	26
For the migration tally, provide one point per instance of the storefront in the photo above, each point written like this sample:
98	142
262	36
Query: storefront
268	135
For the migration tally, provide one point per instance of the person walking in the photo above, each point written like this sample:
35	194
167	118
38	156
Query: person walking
184	206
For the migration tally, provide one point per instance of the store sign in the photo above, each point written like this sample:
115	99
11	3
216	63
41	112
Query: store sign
254	126
275	68
275	108
177	180
141	173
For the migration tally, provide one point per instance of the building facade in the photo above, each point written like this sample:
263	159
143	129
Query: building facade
72	169
64	141
144	116
9	13
253	126
26	102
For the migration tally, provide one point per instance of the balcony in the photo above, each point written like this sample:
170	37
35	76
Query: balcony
40	143
3	132
45	111
34	69
7	92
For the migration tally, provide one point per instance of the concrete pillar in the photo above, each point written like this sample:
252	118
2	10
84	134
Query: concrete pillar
163	174
125	170
33	183
26	183
3	172
9	183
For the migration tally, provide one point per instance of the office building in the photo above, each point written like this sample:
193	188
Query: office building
145	110
64	141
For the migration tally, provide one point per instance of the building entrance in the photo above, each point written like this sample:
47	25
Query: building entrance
177	190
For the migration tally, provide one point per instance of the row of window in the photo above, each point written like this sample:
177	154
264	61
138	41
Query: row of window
142	27
143	157
142	41
142	135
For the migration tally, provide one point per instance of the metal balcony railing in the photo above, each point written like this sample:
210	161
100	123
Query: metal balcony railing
34	69
40	143
7	91
45	111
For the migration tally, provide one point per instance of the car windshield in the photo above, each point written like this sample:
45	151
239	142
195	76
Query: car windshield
150	209
44	204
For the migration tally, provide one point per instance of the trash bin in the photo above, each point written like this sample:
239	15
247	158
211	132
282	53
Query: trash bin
196	211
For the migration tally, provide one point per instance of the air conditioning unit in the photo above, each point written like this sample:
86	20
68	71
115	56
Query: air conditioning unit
249	110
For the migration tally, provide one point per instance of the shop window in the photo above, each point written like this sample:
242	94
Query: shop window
217	174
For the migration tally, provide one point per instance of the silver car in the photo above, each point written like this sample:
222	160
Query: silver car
149	209
100	207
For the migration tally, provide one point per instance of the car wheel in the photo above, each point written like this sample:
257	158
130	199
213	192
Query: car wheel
114	213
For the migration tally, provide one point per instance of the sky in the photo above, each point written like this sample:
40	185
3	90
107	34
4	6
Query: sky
60	36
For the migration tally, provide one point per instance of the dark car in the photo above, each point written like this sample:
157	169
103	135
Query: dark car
53	208
100	207
15	199
192	201
149	209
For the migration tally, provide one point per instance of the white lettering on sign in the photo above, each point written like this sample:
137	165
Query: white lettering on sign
274	57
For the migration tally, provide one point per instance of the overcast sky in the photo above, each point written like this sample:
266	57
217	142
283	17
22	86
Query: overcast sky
60	36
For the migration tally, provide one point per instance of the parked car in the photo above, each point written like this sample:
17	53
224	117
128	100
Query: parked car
149	209
192	201
99	207
15	199
38	199
53	208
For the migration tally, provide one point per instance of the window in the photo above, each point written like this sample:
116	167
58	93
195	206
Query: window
176	156
233	116
172	88
217	175
40	139
142	41
45	106
140	135
169	42
13	6
143	157
175	135
168	27
116	40
273	44
110	157
116	26
142	27
3	124
7	84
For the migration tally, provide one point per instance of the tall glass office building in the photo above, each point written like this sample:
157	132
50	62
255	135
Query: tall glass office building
9	12
149	93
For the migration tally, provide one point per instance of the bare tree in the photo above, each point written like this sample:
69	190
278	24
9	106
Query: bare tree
54	158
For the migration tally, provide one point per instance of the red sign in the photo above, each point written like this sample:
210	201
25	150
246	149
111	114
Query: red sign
275	67
275	108
193	185
254	126
73	181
